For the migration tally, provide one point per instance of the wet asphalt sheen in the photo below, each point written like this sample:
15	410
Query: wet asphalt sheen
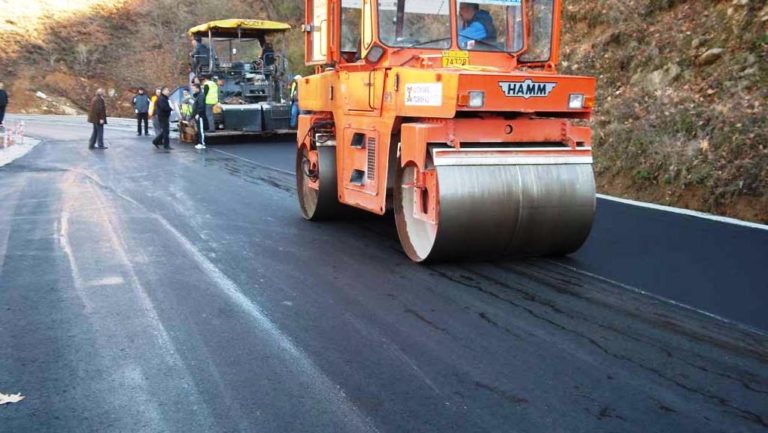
182	292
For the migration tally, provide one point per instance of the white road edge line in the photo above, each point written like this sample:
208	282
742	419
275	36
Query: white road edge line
740	325
687	212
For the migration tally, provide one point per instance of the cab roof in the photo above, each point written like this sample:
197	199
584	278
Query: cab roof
229	28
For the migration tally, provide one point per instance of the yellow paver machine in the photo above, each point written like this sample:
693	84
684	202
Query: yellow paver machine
241	55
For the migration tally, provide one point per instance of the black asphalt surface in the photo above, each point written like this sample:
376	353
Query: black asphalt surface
716	267
182	292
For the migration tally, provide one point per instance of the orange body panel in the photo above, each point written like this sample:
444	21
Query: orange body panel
405	102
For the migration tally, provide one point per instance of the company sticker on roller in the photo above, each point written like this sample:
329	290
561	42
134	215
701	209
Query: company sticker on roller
526	89
424	95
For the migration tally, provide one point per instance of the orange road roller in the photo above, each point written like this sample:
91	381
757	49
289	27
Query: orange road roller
452	114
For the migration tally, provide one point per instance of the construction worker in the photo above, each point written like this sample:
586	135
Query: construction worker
211	92
268	54
201	56
198	113
477	26
295	101
153	113
141	108
97	115
185	108
163	112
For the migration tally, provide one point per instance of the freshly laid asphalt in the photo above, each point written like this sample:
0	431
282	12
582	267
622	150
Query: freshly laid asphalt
149	292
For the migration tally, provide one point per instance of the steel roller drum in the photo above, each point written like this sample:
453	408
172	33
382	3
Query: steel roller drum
488	211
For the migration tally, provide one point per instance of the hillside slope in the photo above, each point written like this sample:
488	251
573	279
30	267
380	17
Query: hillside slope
683	84
683	88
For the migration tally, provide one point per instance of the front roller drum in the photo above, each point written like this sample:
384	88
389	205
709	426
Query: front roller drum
488	211
316	182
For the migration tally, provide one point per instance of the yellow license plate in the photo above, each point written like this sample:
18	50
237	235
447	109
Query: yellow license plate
455	58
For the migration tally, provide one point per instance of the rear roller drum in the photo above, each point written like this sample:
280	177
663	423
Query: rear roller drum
316	182
451	212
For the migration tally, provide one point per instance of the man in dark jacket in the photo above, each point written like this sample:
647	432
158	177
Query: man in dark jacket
97	115
198	114
163	110
3	103
201	56
141	108
153	111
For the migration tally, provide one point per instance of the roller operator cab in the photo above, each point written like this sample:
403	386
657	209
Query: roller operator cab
452	113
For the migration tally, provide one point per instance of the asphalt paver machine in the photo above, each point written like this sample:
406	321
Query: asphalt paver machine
453	114
241	54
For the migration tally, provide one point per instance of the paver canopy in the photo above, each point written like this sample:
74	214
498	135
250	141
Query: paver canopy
239	27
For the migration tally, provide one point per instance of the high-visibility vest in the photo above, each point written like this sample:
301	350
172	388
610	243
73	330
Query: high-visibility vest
186	107
152	101
212	98
294	91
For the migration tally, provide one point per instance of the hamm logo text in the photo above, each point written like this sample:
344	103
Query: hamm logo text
526	89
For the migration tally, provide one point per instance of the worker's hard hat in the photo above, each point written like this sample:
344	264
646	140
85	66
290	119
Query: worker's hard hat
297	77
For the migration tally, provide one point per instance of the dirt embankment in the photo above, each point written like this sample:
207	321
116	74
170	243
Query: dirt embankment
683	87
681	113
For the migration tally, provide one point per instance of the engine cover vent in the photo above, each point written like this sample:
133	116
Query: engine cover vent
371	171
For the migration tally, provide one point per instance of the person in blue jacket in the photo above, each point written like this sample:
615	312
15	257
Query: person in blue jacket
477	25
141	107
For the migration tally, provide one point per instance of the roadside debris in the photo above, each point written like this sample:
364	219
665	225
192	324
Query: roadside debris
10	398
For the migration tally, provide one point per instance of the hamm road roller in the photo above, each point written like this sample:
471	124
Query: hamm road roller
454	115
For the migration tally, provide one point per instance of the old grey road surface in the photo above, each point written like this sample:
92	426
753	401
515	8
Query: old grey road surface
181	292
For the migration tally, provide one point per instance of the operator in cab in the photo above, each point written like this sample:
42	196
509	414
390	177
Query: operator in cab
477	26
200	55
268	55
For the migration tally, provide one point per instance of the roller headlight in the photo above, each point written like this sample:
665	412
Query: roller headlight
576	101
476	99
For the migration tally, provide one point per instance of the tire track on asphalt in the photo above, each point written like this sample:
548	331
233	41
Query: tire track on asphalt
348	411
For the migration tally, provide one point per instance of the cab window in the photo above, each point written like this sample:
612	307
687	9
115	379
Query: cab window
540	16
491	25
415	23
350	25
